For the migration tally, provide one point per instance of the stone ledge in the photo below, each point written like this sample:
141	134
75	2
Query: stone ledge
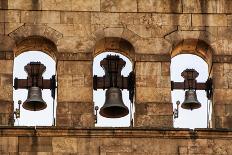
169	133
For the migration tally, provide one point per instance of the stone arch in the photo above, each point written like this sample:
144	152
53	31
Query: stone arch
36	43
115	44
196	47
36	37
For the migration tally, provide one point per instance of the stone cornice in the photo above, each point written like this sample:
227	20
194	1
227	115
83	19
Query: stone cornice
167	133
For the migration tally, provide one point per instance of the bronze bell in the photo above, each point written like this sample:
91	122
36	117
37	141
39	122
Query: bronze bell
34	100
114	106
191	101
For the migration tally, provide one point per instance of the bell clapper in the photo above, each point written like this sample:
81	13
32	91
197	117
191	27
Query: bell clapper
176	110
96	109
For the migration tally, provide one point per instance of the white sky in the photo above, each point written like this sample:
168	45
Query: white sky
187	119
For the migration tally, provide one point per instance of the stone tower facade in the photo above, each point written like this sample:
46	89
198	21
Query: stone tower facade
149	33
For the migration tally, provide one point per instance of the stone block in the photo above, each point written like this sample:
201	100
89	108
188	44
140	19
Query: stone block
10	16
6	107
40	17
151	94
80	107
72	30
113	32
222	47
209	6
62	108
229	18
64	145
83	120
83	5
154	109
223	122
118	6
37	144
75	94
160	31
6	43
75	67
219	109
152	46
165	68
9	27
106	18
156	81
222	96
170	6
148	68
209	20
220	82
64	5
171	19
2	28
8	67
228	110
143	31
63	120
6	88
75	17
25	4
8	144
153	121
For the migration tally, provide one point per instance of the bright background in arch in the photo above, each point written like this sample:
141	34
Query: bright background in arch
187	118
99	95
32	118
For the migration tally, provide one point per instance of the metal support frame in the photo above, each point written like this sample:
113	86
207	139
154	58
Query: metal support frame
35	71
190	82
113	66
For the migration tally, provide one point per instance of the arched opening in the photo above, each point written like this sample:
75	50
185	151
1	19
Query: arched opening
34	118
198	118
99	94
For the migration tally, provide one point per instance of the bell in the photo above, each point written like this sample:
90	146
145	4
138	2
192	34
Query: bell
191	101
34	100
114	106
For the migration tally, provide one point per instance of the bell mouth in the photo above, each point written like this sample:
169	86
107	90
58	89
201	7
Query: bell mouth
114	112
34	105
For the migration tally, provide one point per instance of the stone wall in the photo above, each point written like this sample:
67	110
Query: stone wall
150	32
121	141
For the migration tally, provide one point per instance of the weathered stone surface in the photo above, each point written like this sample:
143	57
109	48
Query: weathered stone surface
222	96
83	5
35	144
10	16
153	120
40	17
171	19
172	6
65	5
209	6
75	18
209	20
118	6
152	46
25	4
64	145
8	144
151	94
154	109
8	67
106	18
148	68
